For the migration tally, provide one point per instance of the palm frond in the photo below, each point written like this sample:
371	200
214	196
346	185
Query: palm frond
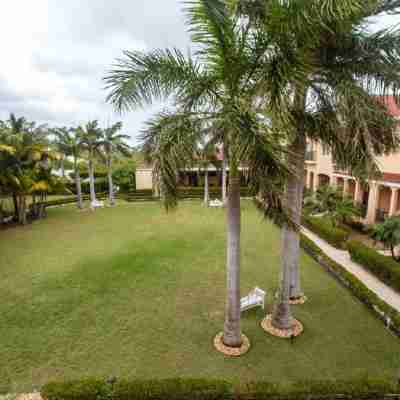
170	143
139	79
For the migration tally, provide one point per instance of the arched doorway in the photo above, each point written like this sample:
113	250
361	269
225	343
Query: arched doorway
323	180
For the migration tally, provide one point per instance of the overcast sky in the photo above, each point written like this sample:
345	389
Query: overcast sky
54	54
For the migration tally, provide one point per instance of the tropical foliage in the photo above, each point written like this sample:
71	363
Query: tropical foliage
29	154
25	166
389	234
330	202
328	84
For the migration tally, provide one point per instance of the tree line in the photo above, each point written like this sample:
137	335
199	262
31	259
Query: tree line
29	154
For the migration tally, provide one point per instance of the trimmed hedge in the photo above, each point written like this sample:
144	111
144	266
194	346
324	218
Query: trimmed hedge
201	389
337	237
383	267
358	226
389	315
171	389
355	389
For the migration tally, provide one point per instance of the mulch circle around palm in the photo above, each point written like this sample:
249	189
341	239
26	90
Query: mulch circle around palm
296	330
231	351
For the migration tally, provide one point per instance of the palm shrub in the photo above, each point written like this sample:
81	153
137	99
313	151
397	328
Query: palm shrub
25	163
389	234
215	87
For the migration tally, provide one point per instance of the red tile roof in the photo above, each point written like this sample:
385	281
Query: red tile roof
392	106
390	177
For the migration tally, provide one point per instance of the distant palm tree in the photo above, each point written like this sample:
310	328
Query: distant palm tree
24	151
69	143
113	144
91	138
215	88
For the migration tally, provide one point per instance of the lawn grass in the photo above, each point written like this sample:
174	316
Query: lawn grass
132	291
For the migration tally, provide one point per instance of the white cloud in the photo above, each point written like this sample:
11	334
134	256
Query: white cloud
55	53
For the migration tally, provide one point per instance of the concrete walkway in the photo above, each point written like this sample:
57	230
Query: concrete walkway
342	257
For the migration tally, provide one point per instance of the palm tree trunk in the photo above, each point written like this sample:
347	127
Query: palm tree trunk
110	184
282	318
206	191
232	333
16	209
22	210
78	185
62	167
34	208
91	181
224	178
295	205
1	213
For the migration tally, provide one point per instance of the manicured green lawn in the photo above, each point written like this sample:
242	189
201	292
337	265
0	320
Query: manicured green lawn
132	291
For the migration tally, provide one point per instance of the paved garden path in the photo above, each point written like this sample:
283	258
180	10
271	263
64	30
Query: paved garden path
342	257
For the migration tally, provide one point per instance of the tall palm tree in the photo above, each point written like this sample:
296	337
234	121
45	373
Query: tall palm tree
112	144
69	143
90	137
344	67
214	87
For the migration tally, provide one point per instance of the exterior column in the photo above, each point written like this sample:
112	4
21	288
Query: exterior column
334	182
307	179
372	203
357	193
311	183
346	182
393	201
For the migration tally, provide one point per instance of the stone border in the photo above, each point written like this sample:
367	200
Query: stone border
231	351
297	328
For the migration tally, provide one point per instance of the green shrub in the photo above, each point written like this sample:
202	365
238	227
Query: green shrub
390	315
323	227
358	226
385	268
201	389
354	389
171	389
85	389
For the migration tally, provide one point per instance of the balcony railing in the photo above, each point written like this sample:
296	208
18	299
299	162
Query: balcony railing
311	156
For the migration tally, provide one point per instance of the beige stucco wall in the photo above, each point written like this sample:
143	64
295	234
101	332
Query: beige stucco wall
390	163
144	178
323	164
